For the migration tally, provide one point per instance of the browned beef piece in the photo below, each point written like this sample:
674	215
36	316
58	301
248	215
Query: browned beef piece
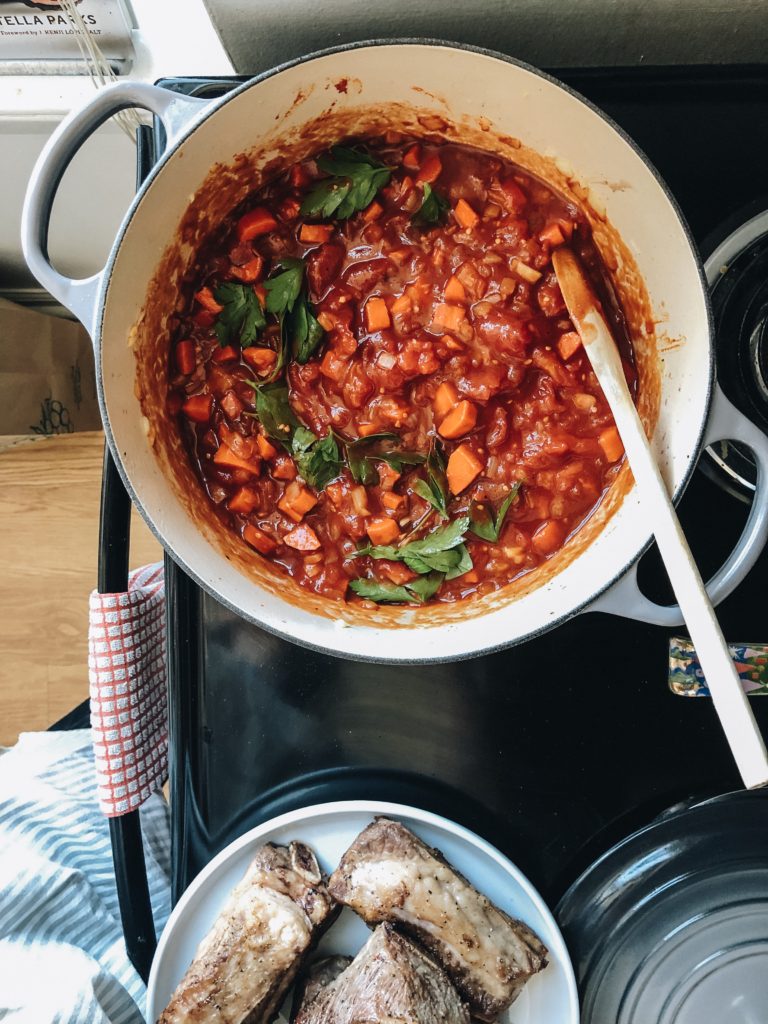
390	979
313	978
388	874
246	963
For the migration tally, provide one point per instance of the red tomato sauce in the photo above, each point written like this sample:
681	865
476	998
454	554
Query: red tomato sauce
435	321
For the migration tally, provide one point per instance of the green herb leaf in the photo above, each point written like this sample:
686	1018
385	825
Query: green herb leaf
274	411
442	539
483	523
283	289
318	459
362	453
373	590
435	488
426	586
433	208
355	179
441	551
463	565
303	332
242	317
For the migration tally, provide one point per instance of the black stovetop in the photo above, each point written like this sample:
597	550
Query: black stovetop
551	750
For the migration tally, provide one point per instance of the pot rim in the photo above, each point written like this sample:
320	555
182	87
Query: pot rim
212	109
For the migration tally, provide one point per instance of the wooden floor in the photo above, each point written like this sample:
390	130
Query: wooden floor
49	509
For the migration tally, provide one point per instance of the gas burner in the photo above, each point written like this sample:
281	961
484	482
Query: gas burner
737	273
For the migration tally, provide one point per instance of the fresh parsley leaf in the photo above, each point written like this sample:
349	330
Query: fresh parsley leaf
463	565
362	453
242	317
373	590
442	539
318	459
302	331
275	414
433	208
435	488
283	289
426	586
483	523
355	178
443	551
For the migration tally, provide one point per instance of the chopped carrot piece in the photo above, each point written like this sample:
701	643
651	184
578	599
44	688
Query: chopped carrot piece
296	502
299	176
198	408
376	314
610	441
402	304
445	399
470	577
229	460
333	366
552	235
302	538
517	198
244	500
430	169
465	215
548	537
283	468
315	232
412	157
396	571
260	359
184	354
261	292
459	421
372	212
463	467
392	501
455	291
250	271
266	450
256	222
569	343
382	530
289	209
326	320
449	317
259	540
225	354
207	300
366	429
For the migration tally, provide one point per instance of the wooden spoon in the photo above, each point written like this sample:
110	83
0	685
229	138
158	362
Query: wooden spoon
715	659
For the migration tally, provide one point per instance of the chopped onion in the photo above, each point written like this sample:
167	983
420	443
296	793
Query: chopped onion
386	361
360	501
527	273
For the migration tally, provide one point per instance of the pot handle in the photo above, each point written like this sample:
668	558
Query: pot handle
625	598
174	110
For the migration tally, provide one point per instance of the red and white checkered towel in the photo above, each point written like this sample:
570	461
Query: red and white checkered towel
126	669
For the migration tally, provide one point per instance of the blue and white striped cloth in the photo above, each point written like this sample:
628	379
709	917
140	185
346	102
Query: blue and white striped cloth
62	957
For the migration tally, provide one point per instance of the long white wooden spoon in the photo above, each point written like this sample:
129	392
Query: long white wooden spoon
729	698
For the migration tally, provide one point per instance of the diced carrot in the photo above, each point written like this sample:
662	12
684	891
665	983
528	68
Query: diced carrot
226	457
517	198
402	304
258	539
552	235
296	502
198	408
376	314
266	450
260	359
470	577
207	300
463	467
365	429
231	405
326	320
396	571
569	343
261	292
382	530
299	176
256	222
459	421
430	169
302	538
250	271
412	157
455	291
449	317
445	399
244	500
289	208
333	366
283	468
315	232
465	215
610	441
372	212
184	354
548	537
225	354
392	501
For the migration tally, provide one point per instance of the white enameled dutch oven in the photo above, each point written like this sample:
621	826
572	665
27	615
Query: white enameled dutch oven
219	151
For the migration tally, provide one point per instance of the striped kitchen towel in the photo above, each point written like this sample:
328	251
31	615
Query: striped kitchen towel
62	953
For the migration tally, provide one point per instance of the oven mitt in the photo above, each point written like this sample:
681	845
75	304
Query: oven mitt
687	680
128	686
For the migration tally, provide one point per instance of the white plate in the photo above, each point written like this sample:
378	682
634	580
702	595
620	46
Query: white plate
330	829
